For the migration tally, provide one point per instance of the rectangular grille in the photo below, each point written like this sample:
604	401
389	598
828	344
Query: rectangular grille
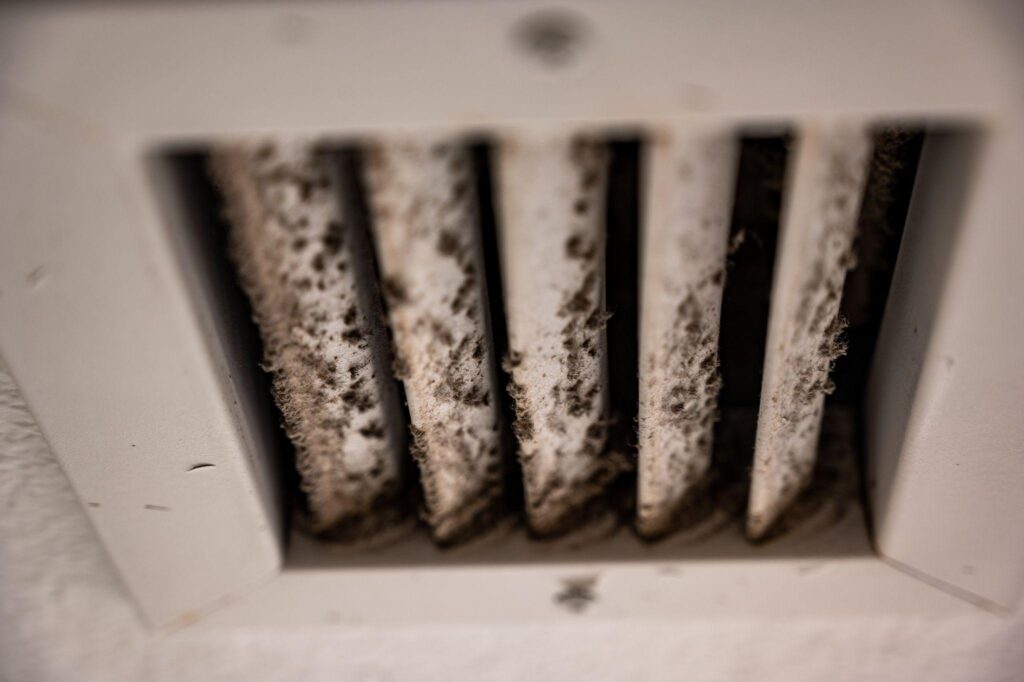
376	280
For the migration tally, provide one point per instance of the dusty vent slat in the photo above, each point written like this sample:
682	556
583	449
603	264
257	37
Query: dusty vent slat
292	242
815	252
426	222
551	197
690	180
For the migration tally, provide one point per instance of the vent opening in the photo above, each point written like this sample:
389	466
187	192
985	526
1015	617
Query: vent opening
622	293
746	302
450	259
483	153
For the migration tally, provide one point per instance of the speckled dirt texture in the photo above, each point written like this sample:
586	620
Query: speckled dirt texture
552	194
426	222
293	246
691	175
816	250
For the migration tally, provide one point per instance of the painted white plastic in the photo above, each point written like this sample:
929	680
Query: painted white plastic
506	579
946	393
108	335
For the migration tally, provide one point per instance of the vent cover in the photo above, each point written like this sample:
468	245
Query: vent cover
368	264
127	331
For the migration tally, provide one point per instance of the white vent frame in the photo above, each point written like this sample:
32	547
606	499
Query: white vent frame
131	387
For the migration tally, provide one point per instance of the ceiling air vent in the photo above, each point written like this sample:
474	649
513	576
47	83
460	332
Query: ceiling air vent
629	311
392	258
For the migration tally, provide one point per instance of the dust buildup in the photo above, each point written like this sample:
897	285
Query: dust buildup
557	340
426	223
291	244
693	174
807	336
883	214
688	404
832	488
576	594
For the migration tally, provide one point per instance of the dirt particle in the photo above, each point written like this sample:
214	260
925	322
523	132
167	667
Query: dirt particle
554	38
331	240
395	290
578	247
37	277
447	243
265	151
737	241
373	430
352	335
577	594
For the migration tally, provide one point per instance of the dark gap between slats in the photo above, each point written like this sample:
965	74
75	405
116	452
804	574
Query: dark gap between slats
481	153
883	215
348	176
746	303
880	225
622	280
838	472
